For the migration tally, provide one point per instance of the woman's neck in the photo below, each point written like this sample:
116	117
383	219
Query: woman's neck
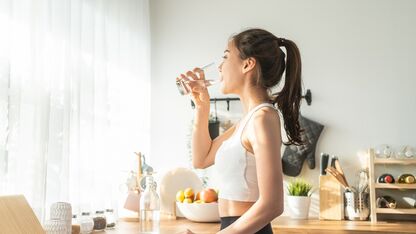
253	96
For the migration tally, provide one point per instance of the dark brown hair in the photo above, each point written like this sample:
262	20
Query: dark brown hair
264	47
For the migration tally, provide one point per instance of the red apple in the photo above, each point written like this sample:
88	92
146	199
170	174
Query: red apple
208	195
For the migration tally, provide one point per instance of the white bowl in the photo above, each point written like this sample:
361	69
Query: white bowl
200	212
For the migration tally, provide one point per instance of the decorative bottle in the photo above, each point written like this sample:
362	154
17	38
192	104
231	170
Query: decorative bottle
149	208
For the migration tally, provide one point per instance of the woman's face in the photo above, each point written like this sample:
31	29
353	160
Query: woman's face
231	70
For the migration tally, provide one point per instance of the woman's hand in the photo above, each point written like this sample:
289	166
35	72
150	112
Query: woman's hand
186	232
196	84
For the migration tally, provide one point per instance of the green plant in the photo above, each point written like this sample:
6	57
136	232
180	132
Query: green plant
299	187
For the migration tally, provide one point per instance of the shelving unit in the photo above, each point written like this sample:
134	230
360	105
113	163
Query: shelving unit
373	162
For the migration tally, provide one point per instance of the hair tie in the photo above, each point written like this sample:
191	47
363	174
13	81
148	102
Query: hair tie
281	40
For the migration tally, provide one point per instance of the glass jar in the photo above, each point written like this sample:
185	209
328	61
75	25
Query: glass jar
383	151
111	219
86	223
405	152
100	222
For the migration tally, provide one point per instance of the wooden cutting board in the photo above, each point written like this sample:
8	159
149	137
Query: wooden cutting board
17	217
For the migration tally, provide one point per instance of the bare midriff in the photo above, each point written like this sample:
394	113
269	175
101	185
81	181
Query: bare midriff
233	208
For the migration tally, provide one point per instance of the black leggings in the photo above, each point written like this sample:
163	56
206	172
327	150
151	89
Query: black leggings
227	221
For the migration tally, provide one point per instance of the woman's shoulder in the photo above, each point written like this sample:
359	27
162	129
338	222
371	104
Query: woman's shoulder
266	118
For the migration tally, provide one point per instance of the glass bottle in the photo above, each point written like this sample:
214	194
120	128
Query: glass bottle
406	179
86	223
100	222
149	208
386	202
111	219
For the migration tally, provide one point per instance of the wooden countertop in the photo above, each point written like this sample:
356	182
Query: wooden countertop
280	225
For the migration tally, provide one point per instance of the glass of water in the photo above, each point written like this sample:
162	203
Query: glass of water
212	76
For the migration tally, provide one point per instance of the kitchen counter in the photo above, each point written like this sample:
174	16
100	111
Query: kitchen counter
280	225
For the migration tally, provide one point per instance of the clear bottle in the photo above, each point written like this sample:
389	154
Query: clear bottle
86	223
111	219
149	208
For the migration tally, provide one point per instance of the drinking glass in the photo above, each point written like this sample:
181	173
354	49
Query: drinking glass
212	76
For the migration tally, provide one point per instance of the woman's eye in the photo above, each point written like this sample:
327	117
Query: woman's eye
224	57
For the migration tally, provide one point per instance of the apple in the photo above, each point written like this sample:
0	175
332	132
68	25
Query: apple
208	195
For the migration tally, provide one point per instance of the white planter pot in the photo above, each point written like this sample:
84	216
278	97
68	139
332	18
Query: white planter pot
299	206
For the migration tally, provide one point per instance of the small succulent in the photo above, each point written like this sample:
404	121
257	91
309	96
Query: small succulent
299	187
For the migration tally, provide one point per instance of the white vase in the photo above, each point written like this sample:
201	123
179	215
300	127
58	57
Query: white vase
299	206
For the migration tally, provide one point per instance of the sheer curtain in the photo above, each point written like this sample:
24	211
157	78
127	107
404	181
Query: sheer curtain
74	99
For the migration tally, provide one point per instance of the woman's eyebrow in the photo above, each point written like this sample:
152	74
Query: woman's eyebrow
225	51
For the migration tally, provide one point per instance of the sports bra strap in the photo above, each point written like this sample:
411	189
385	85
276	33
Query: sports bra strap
247	118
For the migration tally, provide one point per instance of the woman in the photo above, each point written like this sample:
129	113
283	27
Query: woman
247	156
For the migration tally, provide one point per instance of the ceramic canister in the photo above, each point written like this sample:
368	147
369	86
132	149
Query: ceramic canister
62	211
55	226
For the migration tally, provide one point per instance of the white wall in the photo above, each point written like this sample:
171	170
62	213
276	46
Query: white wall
358	60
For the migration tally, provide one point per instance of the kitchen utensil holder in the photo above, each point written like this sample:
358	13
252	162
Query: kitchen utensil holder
356	205
331	199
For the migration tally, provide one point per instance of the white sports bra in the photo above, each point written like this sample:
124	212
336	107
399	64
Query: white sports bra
235	167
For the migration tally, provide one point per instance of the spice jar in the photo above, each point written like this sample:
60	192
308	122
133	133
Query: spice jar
86	223
111	219
100	222
75	225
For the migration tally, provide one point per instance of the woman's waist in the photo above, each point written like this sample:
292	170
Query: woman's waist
233	208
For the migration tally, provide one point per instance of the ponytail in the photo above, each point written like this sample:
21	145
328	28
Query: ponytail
288	99
265	48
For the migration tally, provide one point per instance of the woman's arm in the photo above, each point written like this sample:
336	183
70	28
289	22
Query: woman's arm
203	147
265	140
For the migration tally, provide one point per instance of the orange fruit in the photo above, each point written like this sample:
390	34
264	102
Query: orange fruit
209	195
197	196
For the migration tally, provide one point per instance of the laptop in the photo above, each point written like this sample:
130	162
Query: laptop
17	217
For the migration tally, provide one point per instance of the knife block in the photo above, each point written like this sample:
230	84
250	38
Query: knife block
331	199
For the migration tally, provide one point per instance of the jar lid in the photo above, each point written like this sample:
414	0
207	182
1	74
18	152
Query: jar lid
85	213
99	212
109	210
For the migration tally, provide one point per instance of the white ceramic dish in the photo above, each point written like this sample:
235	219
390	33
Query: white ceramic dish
200	212
173	181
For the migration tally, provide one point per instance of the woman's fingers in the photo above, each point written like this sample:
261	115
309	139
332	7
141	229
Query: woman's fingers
200	72
192	75
186	83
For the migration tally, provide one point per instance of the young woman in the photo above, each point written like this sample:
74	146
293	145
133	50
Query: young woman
247	156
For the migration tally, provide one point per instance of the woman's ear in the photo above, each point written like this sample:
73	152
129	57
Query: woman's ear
248	65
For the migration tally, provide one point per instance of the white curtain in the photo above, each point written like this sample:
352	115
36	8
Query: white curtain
74	99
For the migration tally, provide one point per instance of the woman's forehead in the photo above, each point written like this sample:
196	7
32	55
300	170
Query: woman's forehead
230	46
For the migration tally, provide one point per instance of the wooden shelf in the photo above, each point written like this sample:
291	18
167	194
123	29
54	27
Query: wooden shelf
394	161
395	211
395	186
374	187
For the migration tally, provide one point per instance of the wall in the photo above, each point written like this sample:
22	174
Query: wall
358	59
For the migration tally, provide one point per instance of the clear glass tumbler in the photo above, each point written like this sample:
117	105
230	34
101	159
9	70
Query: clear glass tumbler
212	76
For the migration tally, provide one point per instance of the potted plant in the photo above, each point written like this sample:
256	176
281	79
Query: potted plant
299	198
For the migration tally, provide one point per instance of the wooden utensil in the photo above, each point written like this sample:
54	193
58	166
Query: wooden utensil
338	167
340	177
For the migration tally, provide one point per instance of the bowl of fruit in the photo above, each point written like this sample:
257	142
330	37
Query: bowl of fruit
198	207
